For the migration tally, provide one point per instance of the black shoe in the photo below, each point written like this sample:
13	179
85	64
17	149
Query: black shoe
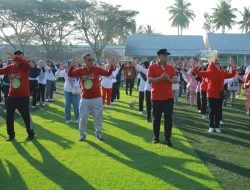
155	140
10	138
149	120
30	138
82	138
168	143
100	138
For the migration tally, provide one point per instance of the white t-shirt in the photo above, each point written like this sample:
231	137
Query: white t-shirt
232	84
69	82
107	81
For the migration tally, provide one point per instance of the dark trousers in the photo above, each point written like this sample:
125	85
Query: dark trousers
141	100
33	91
215	112
165	107
41	93
115	92
5	89
129	85
22	105
198	100
50	88
203	102
148	104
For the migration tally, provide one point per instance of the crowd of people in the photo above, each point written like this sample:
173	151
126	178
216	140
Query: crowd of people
88	87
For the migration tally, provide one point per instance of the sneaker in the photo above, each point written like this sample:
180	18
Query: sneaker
33	107
168	143
204	117
217	130
37	104
100	138
51	100
155	140
211	130
67	121
10	138
82	137
76	121
46	100
141	112
199	111
247	113
221	122
43	104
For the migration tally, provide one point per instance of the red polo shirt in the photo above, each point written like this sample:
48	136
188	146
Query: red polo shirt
90	80
161	90
19	77
129	72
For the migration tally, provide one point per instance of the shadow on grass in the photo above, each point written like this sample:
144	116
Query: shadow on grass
13	178
53	169
170	170
216	150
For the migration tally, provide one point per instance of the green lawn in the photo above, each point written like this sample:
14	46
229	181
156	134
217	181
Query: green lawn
126	159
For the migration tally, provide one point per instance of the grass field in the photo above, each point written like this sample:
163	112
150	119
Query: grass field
126	159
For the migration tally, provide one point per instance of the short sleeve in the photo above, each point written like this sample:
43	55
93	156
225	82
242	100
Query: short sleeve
150	71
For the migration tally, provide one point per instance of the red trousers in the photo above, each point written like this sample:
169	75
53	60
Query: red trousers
106	93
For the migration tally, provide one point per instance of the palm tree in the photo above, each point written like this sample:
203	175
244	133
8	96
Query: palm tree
245	22
223	15
180	15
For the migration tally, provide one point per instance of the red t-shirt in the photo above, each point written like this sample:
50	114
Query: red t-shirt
90	80
19	77
129	72
161	90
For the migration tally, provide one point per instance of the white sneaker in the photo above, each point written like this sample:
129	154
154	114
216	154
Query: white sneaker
43	104
221	122
76	121
141	112
210	130
37	104
67	121
46	100
204	117
217	130
247	112
33	107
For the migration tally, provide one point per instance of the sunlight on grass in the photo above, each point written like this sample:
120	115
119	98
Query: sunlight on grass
125	160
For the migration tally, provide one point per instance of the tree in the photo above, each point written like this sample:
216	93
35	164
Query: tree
52	22
101	23
180	15
245	22
223	15
208	24
145	30
14	29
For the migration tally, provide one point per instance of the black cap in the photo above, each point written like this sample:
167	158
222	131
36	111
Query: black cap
18	52
163	52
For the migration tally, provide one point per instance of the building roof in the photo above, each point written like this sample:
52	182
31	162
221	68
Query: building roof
148	45
229	43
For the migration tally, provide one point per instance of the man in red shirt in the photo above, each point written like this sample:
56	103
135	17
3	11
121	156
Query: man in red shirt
161	76
129	73
18	97
91	101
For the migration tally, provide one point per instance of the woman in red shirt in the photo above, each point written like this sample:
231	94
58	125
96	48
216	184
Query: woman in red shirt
215	88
